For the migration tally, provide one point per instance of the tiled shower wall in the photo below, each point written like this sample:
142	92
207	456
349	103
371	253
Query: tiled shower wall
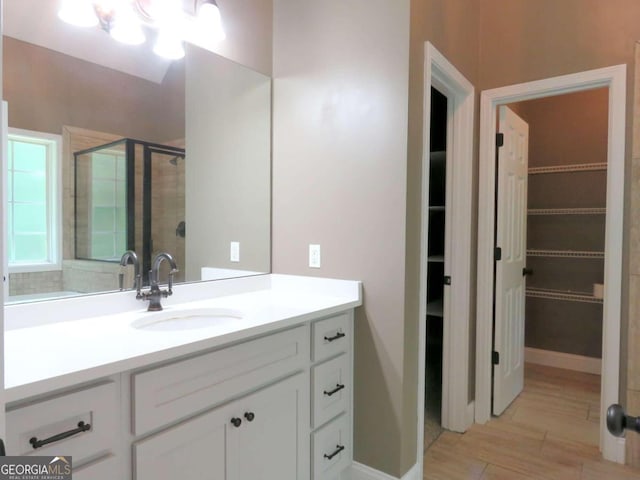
35	282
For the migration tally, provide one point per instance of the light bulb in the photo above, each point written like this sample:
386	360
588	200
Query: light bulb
125	27
169	45
78	12
210	27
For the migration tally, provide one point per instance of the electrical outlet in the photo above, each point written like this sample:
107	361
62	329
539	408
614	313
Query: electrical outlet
235	252
314	256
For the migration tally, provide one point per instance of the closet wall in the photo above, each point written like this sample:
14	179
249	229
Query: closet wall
566	221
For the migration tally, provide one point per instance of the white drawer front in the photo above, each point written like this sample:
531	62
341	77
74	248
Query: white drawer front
96	406
331	449
331	336
331	389
106	468
182	389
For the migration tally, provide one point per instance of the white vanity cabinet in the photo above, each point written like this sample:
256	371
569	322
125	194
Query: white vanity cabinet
259	437
82	423
275	404
296	426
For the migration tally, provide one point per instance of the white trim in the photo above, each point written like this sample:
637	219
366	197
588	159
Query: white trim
471	411
441	74
54	197
568	361
615	79
360	471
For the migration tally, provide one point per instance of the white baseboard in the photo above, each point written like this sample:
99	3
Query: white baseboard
363	472
568	361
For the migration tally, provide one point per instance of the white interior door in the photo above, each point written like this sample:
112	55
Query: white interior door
511	228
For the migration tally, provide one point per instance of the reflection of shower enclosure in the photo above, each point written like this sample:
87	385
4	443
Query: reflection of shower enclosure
129	195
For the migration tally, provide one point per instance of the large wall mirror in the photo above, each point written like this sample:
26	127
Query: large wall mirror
110	147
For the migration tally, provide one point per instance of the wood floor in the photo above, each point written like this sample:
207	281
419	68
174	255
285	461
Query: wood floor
549	432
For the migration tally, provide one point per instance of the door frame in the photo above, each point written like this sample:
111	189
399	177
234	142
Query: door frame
457	412
615	79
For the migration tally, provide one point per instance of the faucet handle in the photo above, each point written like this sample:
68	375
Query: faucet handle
170	283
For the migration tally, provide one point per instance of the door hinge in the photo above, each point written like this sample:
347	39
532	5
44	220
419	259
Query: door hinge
499	139
447	280
495	358
497	254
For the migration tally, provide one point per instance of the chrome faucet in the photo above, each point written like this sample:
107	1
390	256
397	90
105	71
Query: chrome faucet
124	261
154	295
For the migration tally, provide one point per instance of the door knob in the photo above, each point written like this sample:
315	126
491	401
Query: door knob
249	416
527	271
618	421
236	422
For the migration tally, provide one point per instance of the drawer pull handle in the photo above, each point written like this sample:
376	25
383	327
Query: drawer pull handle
339	448
335	390
82	427
249	416
236	422
337	336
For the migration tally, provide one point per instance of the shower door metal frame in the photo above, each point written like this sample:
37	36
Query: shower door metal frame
148	149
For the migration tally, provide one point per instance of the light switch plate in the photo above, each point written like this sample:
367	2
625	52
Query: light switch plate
235	252
314	255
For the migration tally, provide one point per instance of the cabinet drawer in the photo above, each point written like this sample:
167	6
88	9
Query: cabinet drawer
330	336
106	468
331	446
331	389
96	406
182	389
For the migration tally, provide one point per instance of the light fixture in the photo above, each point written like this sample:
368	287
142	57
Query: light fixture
80	13
209	21
125	27
169	46
124	21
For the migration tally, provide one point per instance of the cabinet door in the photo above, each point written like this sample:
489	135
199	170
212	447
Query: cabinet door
272	442
268	440
192	450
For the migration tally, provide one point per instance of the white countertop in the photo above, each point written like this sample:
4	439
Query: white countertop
57	344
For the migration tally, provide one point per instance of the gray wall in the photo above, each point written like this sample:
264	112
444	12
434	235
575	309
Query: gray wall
228	129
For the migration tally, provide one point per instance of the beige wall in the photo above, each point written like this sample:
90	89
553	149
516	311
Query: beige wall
46	90
228	174
632	397
249	30
339	180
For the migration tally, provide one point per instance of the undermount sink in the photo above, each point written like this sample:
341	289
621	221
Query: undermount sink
186	319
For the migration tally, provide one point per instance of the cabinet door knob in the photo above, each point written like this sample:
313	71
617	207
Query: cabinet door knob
249	416
236	422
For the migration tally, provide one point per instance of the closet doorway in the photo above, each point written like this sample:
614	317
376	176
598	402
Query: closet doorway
550	274
592	227
437	261
447	259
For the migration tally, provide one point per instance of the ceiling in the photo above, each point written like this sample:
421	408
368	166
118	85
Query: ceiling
36	22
